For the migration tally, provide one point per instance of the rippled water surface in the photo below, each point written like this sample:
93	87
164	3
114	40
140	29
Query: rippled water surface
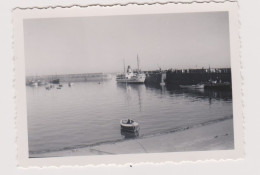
89	112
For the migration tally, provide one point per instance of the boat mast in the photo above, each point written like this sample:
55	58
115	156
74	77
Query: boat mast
138	63
210	73
124	66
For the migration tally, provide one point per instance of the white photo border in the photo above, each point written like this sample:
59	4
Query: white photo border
131	9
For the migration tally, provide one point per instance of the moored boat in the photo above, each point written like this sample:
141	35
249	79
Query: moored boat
131	76
129	125
33	84
41	83
196	86
216	85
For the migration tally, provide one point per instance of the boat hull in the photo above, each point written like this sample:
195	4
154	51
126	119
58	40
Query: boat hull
193	86
131	80
129	127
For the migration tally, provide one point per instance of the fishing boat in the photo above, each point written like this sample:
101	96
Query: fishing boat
131	76
128	125
196	86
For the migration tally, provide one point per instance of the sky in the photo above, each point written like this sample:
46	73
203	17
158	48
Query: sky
102	44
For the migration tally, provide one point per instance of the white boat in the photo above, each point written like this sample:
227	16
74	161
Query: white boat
131	76
197	86
129	125
33	84
41	83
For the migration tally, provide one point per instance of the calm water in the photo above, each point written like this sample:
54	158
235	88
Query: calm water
89	113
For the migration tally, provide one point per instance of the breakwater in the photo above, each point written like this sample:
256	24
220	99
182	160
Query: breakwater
188	76
70	77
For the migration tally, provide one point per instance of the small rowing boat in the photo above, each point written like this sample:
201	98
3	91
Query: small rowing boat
129	125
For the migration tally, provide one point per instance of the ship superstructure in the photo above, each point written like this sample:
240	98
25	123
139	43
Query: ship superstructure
131	76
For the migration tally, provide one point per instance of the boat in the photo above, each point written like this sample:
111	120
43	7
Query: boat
55	81
33	83
41	83
131	76
218	85
128	125
196	86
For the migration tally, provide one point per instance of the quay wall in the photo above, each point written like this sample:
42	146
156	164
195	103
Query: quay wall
188	76
155	78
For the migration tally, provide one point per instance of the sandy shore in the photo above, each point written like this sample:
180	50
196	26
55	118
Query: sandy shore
213	136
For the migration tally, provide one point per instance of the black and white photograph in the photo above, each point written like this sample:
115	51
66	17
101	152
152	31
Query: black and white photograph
128	84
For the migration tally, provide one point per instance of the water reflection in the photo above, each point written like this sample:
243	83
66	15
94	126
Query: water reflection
225	95
89	112
129	135
199	94
126	86
129	88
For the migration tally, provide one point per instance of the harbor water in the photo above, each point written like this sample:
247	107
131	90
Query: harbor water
88	113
